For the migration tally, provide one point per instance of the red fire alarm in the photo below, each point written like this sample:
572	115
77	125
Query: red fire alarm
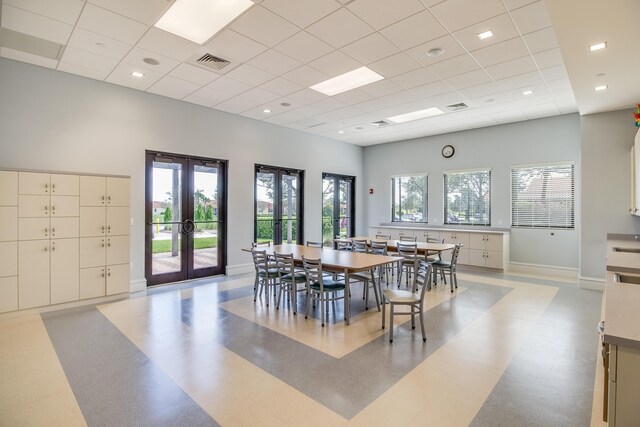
371	191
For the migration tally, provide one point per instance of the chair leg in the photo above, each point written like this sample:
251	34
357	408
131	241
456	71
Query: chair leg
424	335
451	279
455	277
279	297
383	312
322	303
391	323
309	298
413	317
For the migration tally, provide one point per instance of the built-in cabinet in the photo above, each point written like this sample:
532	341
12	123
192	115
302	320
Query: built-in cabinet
45	221
480	248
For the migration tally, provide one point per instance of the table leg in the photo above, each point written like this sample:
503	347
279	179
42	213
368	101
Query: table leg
347	299
375	290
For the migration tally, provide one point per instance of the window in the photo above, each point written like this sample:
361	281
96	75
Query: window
467	197
338	207
409	198
542	196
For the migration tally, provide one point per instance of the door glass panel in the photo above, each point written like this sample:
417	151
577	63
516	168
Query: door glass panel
289	208
166	243
265	187
328	195
205	216
345	209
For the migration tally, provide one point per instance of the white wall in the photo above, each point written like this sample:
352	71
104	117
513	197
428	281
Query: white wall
498	147
56	121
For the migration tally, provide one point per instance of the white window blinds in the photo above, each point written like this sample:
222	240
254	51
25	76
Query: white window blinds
467	197
543	196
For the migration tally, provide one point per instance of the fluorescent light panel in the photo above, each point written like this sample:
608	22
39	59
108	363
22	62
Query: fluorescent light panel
597	46
601	87
485	34
199	20
416	115
347	81
527	92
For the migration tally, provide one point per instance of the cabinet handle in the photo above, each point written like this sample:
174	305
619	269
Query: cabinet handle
53	188
46	231
109	199
108	229
46	209
102	228
53	248
109	243
102	274
46	188
102	200
53	210
102	244
53	231
46	249
108	272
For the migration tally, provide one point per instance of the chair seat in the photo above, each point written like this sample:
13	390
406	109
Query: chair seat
359	277
408	262
398	296
272	272
298	277
445	264
328	285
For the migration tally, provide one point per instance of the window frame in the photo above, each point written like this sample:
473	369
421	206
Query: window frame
445	202
352	201
425	215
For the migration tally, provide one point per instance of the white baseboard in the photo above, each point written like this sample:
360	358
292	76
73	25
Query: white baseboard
138	285
235	270
593	283
72	304
544	270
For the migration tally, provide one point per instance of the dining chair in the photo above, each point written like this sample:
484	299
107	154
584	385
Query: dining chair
366	277
380	236
289	279
260	244
409	262
266	274
413	299
379	247
359	245
408	239
343	246
448	266
314	244
321	288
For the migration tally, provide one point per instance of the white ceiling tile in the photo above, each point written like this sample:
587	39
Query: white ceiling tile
274	62
82	71
548	58
559	72
227	85
402	97
17	55
167	44
35	25
502	27
250	75
293	115
112	25
540	40
307	96
515	4
381	88
370	49
264	26
520	81
208	97
415	78
567	107
335	63
543	110
145	11
454	67
89	60
301	12
281	86
432	89
234	47
303	47
500	52
173	87
98	44
353	97
195	99
472	78
414	30
457	14
479	91
260	96
257	113
512	68
66	11
137	56
305	76
382	13
340	28
236	105
393	65
121	75
559	85
509	116
329	104
193	74
531	18
450	46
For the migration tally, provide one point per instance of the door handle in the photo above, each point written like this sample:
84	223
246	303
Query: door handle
187	226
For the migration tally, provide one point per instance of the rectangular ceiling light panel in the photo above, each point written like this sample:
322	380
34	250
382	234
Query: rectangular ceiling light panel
347	81
199	20
416	115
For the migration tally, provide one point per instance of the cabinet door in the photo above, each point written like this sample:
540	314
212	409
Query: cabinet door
65	270
8	259
117	249
65	206
33	228
494	242
8	188
393	233
449	237
493	259
462	238
118	192
65	228
92	251
477	257
93	191
117	221
93	222
92	282
33	206
8	223
33	183
8	294
406	233
65	185
477	241
33	274
117	279
464	256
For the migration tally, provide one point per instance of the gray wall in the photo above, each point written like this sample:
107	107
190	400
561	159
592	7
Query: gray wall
499	147
606	142
56	121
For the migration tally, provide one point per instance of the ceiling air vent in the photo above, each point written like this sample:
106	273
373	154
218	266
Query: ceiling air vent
211	61
380	123
456	107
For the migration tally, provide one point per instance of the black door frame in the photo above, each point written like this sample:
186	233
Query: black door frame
187	272
336	201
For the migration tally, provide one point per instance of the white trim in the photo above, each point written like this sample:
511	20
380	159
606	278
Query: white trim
72	304
592	283
138	285
235	270
544	270
404	175
538	165
487	169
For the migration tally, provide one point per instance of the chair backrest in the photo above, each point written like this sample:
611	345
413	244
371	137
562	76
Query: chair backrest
408	249
380	236
314	244
260	244
359	245
378	247
260	260
313	271
408	239
434	240
422	278
454	255
344	246
284	264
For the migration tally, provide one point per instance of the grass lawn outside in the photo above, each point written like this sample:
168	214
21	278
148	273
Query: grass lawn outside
162	246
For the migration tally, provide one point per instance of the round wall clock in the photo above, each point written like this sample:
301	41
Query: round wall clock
447	151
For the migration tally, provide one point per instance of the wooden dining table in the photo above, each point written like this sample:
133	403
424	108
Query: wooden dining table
423	248
335	261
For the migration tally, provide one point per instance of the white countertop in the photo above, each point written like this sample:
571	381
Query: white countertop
622	314
453	228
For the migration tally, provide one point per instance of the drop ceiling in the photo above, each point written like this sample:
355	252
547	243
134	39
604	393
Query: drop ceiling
279	48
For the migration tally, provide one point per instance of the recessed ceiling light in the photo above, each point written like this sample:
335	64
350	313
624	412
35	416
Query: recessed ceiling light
436	51
416	115
266	111
347	81
100	44
485	34
359	128
199	20
151	61
599	75
598	46
340	132
601	87
527	92
137	75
